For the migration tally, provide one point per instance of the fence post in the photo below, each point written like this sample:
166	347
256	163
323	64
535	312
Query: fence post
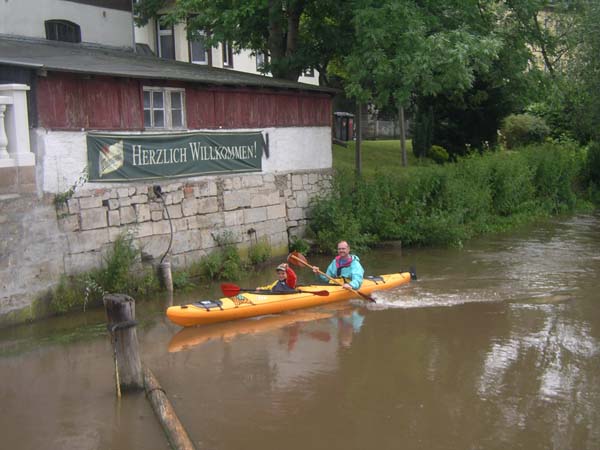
120	313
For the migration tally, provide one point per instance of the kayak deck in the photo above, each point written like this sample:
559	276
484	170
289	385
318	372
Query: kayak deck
249	304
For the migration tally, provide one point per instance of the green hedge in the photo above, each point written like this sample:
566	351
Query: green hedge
448	204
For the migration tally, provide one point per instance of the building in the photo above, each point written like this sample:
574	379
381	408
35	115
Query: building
88	131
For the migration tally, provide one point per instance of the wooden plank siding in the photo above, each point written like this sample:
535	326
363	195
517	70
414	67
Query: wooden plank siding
73	102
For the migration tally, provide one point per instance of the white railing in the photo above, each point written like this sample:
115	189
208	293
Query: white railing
14	127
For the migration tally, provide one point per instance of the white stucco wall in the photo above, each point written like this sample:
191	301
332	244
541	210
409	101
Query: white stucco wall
62	155
98	25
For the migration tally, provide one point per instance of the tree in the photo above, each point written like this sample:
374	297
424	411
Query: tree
295	35
405	48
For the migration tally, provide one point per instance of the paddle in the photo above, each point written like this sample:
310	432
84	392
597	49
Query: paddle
231	290
298	259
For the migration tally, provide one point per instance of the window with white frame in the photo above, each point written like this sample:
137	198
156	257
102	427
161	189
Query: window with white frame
261	59
227	55
198	48
166	40
164	108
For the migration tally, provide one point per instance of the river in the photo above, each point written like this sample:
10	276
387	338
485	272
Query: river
495	346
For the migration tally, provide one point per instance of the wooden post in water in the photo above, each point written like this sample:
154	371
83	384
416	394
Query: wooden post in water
176	434
120	313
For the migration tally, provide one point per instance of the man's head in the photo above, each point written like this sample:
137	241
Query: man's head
343	249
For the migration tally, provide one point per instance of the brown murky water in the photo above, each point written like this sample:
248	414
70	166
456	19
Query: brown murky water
496	346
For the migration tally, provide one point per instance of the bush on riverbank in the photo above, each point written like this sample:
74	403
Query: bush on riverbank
448	204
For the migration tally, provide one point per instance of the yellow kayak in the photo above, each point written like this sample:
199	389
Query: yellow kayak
250	304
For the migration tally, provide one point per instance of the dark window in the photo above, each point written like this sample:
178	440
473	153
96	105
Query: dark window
310	72
261	59
227	55
62	30
198	49
166	41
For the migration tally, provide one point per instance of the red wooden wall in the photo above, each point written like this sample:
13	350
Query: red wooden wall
75	102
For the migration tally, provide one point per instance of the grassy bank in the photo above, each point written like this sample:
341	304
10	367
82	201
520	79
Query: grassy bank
428	204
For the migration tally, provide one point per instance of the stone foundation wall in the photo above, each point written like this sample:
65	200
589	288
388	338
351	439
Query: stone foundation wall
40	242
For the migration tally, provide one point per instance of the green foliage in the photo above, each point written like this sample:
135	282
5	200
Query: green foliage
223	263
296	35
593	163
182	280
423	131
523	129
299	245
438	154
120	273
447	204
259	252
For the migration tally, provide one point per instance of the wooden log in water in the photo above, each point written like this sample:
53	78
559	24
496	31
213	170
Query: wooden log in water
176	434
120	313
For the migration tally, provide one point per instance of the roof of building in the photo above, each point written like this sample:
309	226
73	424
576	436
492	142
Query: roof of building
87	59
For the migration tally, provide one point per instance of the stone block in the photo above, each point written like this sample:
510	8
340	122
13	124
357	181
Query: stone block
176	197
186	241
125	201
255	215
113	203
73	204
139	198
127	215
114	218
276	212
236	199
295	214
297	182
142	212
212	221
180	224
302	199
69	223
83	262
93	218
90	202
175	211
208	205
232	184
122	192
264	198
85	241
249	181
234	218
161	227
145	229
157	215
206	189
189	206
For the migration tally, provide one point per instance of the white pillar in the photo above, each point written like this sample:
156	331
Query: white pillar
16	124
3	139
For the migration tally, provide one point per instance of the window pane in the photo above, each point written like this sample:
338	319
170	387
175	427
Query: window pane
159	119
167	47
147	118
176	100
147	99
157	98
177	118
198	49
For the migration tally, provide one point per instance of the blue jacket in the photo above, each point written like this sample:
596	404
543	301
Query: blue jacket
353	274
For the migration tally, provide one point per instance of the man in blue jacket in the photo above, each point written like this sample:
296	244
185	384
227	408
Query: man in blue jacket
345	266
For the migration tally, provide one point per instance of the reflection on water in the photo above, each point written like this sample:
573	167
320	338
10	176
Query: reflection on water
496	346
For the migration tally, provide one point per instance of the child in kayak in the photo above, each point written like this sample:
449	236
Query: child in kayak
286	280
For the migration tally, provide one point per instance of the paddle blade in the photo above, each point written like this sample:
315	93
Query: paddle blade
229	289
319	293
297	259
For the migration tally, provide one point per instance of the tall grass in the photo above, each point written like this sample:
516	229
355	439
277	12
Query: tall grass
448	204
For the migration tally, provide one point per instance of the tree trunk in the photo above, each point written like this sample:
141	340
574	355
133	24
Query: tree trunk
357	149
402	136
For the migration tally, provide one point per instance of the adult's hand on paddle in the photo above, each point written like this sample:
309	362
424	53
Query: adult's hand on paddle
315	270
